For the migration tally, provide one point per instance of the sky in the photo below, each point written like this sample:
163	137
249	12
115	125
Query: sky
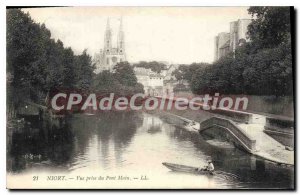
180	35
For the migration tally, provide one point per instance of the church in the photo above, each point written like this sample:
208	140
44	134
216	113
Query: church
109	56
154	83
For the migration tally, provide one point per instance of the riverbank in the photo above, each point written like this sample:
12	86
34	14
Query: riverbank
267	147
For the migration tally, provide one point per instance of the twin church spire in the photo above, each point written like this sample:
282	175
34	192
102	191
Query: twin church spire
110	55
108	38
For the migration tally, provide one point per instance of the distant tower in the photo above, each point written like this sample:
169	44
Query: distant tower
107	44
110	55
121	45
107	38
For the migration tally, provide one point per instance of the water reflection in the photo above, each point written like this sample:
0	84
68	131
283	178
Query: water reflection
135	141
252	171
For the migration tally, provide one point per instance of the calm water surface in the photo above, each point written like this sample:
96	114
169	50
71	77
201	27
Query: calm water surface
136	141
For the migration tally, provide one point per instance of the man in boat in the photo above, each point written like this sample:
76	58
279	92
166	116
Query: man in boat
210	167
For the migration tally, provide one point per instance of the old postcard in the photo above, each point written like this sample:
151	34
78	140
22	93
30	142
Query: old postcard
150	98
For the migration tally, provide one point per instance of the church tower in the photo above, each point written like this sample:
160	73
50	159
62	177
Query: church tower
107	38
111	54
120	44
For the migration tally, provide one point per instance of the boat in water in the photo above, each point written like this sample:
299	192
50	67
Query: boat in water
186	169
197	171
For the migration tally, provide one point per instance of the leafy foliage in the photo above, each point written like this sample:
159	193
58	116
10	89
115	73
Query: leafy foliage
38	63
261	67
122	81
154	66
271	26
185	72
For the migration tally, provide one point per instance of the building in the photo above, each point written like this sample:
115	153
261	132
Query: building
109	56
238	33
153	82
221	41
156	84
228	42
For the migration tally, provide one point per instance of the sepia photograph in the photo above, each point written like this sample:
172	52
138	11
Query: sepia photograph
194	98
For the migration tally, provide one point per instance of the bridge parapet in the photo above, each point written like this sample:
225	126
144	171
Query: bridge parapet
240	136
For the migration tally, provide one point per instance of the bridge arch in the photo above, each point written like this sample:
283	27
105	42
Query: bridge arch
238	135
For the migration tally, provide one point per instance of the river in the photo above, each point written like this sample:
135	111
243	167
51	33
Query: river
138	143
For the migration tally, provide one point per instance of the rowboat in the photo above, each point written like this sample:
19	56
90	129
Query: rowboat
186	169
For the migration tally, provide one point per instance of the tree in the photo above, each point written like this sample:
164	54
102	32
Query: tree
180	72
271	27
124	74
261	67
153	65
36	63
69	70
185	72
105	83
122	81
270	72
84	70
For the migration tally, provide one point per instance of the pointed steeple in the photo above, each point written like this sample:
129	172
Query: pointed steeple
107	25
121	46
107	37
121	24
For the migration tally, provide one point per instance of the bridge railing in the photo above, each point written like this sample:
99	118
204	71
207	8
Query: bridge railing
246	140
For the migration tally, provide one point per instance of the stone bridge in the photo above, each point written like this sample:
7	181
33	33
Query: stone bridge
252	138
239	136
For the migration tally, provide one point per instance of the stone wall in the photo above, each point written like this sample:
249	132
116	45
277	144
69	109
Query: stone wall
266	104
261	104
